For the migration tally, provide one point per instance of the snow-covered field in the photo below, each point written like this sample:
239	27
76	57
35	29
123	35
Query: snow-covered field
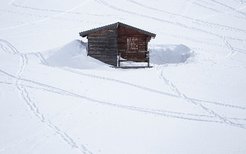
55	99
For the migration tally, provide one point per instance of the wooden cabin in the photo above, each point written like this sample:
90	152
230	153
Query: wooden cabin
118	42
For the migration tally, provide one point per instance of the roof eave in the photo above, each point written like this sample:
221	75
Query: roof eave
138	29
115	26
82	34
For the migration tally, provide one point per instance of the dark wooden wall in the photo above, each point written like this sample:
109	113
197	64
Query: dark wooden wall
141	41
102	45
106	44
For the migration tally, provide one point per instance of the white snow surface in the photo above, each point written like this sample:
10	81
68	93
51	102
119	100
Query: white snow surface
73	55
169	54
56	99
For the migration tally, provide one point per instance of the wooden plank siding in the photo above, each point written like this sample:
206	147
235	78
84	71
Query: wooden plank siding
102	45
136	54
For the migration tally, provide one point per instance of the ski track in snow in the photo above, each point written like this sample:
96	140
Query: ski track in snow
188	100
39	17
49	88
56	90
32	15
229	7
199	22
171	114
7	47
31	104
150	89
206	7
231	49
25	7
210	6
46	18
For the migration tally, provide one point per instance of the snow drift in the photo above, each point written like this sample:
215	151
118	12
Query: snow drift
164	54
72	55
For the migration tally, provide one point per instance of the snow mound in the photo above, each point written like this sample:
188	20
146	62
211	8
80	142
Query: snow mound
74	55
163	54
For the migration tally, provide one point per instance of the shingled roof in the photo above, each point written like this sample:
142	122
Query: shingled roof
115	26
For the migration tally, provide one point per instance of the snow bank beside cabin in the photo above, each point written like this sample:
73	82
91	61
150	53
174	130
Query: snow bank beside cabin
74	55
164	54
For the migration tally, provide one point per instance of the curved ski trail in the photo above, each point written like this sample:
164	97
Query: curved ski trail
9	48
189	100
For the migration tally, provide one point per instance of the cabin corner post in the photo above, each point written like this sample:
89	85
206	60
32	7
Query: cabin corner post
88	46
118	59
117	46
148	51
148	58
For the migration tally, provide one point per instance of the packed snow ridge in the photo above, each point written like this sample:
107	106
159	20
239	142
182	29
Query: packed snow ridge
164	54
72	55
